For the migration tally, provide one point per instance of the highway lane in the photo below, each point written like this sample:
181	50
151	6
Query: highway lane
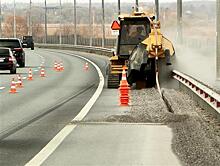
34	62
37	98
97	140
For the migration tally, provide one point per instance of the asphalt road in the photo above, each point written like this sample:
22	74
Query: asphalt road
33	116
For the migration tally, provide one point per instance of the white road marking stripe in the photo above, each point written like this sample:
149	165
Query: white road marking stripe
58	139
42	58
36	70
39	67
1	88
24	78
95	96
51	146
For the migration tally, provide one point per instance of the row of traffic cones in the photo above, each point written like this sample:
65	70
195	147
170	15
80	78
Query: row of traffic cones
42	73
19	83
58	66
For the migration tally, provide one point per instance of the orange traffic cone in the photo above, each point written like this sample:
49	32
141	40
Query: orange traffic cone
58	67
19	83
13	86
61	66
124	89
55	65
42	72
30	76
86	66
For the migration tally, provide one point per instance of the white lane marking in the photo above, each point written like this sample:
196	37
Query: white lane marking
36	70
51	146
58	139
24	78
39	67
42	59
1	88
95	96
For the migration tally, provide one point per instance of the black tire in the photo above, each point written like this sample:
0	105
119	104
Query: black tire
113	81
132	77
22	64
13	71
32	46
151	74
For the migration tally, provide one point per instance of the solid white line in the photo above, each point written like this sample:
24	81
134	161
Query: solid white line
36	70
23	78
51	146
58	139
95	96
1	88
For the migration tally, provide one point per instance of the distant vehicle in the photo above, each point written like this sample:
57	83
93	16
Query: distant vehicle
16	47
28	42
7	60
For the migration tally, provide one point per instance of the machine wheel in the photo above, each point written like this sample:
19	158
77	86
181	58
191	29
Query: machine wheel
13	71
113	81
151	74
22	64
32	47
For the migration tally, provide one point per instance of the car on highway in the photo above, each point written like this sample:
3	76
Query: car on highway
16	47
28	42
7	60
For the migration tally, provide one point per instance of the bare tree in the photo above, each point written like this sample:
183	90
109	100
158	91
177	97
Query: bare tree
67	29
21	26
38	30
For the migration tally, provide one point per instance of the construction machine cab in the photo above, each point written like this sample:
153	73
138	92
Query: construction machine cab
134	30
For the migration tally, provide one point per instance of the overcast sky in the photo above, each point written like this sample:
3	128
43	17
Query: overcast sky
86	1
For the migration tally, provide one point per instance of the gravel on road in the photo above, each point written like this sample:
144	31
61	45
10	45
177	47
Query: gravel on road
196	141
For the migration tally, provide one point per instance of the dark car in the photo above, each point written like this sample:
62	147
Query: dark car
16	47
7	60
28	42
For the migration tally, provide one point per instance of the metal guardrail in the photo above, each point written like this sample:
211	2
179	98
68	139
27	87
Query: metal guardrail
206	94
97	50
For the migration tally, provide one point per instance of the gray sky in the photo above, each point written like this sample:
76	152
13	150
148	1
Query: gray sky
84	1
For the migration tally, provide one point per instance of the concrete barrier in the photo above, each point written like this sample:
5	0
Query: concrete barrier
96	50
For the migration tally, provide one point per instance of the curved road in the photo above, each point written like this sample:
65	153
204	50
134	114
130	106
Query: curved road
33	116
35	123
